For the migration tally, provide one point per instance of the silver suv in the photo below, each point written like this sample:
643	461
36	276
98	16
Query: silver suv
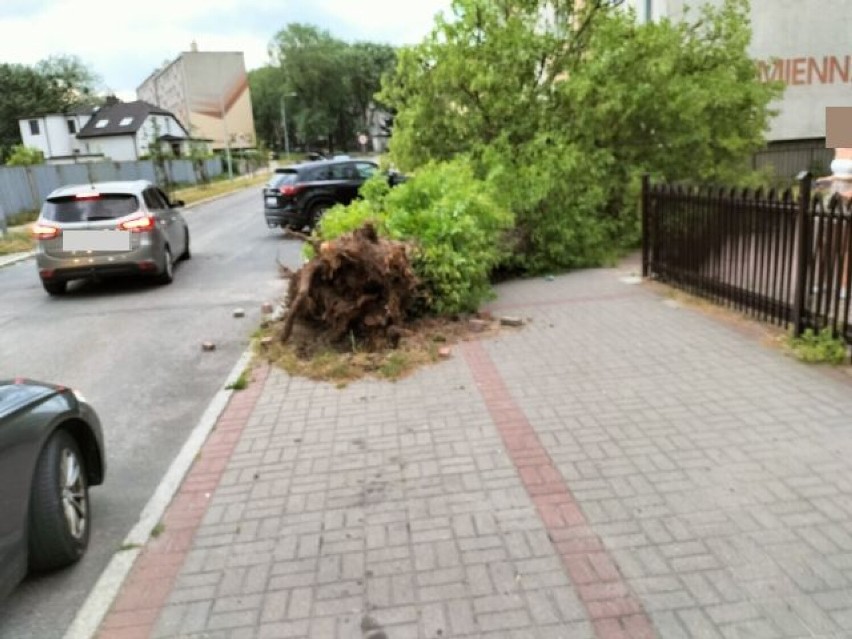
108	228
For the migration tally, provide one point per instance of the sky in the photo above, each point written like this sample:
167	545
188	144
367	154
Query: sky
124	42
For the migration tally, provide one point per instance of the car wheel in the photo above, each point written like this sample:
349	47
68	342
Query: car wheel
59	505
186	255
317	211
168	273
55	288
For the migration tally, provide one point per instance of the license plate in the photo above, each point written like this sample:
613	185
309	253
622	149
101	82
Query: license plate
96	241
272	201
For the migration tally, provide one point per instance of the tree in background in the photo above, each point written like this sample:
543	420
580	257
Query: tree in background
566	103
70	77
334	81
267	87
51	86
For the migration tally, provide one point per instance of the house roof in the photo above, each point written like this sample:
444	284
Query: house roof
132	113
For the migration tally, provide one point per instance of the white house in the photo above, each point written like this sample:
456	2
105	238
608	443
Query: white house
118	131
127	131
55	134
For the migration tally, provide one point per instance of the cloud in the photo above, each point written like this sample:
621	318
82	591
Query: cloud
124	45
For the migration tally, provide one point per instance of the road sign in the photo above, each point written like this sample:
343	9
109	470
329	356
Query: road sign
362	139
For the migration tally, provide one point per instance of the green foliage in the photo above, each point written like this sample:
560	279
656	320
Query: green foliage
241	383
70	77
818	348
569	110
455	220
52	86
21	155
334	83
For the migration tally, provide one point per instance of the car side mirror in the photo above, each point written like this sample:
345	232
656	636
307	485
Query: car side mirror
177	204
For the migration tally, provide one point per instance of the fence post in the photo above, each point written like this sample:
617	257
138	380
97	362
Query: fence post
803	251
646	240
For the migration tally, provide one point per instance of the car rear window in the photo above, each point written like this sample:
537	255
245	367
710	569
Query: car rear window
280	179
106	206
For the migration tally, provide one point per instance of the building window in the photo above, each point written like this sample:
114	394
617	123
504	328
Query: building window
72	127
34	130
126	121
101	123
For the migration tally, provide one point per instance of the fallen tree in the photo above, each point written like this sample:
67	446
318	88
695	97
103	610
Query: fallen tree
357	286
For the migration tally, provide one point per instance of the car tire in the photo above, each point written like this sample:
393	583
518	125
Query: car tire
167	274
316	213
59	519
55	288
187	254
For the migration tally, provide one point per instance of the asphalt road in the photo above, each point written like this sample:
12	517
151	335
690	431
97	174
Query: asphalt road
133	349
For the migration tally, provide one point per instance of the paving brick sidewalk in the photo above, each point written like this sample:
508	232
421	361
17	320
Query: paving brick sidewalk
620	467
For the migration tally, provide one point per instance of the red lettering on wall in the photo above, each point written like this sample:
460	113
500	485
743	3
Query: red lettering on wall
815	69
806	70
799	70
842	73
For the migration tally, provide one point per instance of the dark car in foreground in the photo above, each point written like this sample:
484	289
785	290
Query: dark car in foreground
51	451
297	196
108	228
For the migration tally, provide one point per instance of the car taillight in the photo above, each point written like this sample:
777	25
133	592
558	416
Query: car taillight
289	189
44	231
138	224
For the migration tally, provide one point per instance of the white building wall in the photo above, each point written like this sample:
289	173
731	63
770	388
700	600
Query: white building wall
803	43
167	90
148	132
38	141
54	138
58	135
119	148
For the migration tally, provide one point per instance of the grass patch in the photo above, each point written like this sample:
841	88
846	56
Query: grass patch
203	191
16	242
158	530
23	217
306	354
818	348
125	547
241	383
395	365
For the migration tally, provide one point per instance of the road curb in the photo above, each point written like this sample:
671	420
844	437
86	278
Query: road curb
14	258
103	593
213	198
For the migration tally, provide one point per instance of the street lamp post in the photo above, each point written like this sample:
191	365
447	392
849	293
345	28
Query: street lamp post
284	121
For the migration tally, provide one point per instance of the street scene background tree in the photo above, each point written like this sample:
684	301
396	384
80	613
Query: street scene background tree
566	104
52	85
329	86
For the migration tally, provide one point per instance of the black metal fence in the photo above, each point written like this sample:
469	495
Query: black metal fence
779	256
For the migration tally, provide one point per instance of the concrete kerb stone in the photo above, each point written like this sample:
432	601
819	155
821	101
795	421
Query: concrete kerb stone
14	258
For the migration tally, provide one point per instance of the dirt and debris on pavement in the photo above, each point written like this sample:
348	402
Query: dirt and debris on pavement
355	310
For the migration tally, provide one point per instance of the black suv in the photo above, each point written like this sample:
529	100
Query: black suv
298	195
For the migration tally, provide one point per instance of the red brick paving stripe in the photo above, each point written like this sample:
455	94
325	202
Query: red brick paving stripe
615	612
134	613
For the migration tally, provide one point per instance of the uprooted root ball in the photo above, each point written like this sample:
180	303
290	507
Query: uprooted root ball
356	285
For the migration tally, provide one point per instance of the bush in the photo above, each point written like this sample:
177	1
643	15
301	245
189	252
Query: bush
818	348
559	195
24	156
455	221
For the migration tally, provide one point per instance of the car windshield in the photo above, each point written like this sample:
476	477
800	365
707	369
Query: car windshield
106	206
